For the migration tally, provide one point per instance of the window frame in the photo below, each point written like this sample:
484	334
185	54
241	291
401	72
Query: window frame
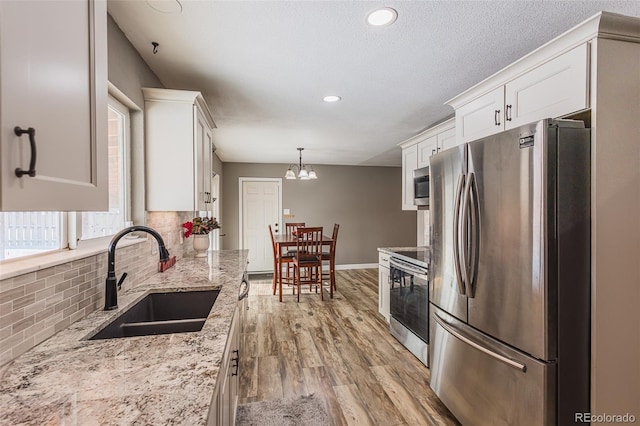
74	234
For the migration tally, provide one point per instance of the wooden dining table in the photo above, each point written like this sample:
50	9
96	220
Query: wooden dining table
284	241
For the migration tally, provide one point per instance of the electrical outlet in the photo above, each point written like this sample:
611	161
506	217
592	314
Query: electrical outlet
154	248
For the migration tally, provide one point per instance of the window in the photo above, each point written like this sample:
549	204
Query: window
100	224
26	233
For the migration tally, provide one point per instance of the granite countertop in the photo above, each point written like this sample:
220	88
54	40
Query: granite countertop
416	255
163	379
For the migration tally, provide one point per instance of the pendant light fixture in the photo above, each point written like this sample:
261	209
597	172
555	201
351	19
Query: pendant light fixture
301	171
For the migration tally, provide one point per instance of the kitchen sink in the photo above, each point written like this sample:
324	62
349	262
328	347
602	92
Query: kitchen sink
162	313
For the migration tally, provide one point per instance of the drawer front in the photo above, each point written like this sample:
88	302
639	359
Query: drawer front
484	382
554	89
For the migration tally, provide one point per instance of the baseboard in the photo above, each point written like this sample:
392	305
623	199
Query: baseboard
325	267
357	266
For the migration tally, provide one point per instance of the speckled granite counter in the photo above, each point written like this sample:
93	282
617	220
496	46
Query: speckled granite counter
164	379
420	255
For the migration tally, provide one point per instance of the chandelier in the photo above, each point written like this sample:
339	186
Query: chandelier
300	170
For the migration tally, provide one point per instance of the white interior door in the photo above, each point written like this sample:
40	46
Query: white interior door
260	207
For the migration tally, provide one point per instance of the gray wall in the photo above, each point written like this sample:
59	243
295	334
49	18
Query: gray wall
365	201
129	74
127	70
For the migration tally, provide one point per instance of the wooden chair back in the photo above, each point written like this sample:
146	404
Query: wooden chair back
309	243
292	226
334	237
273	242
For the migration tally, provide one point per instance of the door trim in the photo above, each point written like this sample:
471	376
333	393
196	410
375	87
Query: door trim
241	181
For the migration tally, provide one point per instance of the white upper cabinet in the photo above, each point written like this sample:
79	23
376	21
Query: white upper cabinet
447	139
426	149
179	150
53	79
481	117
416	152
554	88
409	164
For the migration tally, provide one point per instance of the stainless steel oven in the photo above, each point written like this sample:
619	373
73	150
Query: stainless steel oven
409	300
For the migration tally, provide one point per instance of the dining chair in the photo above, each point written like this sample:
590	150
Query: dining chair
308	255
280	259
291	226
330	257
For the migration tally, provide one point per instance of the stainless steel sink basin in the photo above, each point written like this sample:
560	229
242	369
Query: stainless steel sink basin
162	313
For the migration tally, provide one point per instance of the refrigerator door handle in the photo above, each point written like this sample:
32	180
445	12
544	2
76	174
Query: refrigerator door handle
474	240
466	242
452	330
456	236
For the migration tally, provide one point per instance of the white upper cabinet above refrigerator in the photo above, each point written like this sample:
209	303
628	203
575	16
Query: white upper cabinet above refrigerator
53	79
552	89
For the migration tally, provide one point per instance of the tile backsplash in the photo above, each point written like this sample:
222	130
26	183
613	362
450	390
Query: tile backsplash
36	305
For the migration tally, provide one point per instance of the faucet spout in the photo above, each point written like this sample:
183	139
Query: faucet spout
111	289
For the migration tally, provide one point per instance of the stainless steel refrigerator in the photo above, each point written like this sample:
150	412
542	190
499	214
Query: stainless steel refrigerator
510	276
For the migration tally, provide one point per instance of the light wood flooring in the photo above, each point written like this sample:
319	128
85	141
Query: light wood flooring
339	349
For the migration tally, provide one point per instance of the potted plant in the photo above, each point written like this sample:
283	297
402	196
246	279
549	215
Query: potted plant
200	227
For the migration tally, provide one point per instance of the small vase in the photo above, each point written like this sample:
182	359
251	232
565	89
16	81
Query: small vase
201	244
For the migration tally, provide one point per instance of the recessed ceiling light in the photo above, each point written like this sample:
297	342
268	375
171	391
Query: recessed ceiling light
381	17
331	98
165	6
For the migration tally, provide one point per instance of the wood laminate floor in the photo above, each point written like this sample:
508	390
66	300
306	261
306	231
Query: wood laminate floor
339	349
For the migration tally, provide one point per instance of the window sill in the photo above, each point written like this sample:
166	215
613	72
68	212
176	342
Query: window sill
14	267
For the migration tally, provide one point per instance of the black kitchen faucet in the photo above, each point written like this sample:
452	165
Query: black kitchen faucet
112	284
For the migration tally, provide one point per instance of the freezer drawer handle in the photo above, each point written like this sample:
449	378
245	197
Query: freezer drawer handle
449	328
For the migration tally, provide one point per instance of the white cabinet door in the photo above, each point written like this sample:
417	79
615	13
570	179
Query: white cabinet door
53	78
224	401
207	168
202	189
383	285
426	149
481	117
447	139
409	164
555	88
178	156
383	292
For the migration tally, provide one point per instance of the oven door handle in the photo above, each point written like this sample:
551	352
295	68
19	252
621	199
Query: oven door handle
407	267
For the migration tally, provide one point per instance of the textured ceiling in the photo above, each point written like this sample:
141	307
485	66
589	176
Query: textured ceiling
263	67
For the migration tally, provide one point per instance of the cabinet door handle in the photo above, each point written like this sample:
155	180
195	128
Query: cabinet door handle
237	362
496	117
433	151
507	113
32	142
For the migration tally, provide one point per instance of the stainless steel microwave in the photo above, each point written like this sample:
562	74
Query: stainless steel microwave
421	187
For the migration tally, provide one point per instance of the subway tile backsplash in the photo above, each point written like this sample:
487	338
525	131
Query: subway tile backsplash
36	305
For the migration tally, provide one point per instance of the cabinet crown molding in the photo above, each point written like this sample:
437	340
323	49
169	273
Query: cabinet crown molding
184	96
601	25
430	132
